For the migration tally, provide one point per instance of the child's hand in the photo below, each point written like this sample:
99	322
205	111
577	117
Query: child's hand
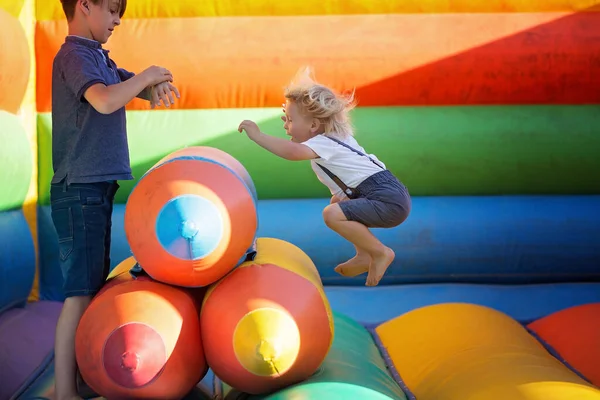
162	91
155	75
252	130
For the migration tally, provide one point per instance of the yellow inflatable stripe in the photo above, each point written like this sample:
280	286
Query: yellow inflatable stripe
50	10
287	256
466	351
13	7
123	267
28	116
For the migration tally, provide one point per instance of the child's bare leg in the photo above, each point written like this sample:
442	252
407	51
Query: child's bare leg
357	265
64	347
361	237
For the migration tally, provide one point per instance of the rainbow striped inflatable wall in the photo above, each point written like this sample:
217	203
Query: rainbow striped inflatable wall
489	111
463	98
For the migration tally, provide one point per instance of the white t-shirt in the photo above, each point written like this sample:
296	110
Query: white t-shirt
350	167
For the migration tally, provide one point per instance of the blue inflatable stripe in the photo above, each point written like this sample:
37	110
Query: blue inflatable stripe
496	240
17	259
524	303
491	239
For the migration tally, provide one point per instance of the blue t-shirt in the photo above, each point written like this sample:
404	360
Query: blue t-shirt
87	146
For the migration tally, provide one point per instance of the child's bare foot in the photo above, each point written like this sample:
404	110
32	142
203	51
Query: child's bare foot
357	265
380	264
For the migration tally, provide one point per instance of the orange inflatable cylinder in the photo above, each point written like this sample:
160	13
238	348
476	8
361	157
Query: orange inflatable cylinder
140	339
268	324
192	217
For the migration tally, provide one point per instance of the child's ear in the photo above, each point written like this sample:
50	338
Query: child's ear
85	6
315	125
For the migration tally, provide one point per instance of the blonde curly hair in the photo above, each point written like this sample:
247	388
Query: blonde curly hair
318	101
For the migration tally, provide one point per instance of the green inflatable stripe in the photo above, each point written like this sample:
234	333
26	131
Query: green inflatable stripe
480	150
353	369
15	162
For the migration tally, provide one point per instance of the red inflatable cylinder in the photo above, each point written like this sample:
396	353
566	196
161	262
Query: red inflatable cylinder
268	324
192	217
140	339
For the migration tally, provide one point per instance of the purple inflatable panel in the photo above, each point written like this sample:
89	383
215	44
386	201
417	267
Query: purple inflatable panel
26	340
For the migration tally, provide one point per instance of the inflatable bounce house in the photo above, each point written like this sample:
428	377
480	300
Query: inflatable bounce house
223	285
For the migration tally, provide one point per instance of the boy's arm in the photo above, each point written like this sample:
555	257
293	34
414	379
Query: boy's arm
82	74
145	94
108	99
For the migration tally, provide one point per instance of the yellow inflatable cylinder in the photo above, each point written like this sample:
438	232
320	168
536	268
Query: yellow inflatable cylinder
465	351
268	324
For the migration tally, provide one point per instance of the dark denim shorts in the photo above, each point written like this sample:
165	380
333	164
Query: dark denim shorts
82	216
383	202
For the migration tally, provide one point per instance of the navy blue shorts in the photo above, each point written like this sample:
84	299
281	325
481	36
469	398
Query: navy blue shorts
383	202
82	216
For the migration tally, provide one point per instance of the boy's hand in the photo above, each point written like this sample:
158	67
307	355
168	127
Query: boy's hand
251	129
155	75
162	91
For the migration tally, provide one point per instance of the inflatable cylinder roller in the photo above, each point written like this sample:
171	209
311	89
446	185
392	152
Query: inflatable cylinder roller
465	351
140	339
192	217
268	324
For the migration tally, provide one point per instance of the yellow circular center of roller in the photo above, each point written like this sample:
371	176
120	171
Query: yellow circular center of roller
266	341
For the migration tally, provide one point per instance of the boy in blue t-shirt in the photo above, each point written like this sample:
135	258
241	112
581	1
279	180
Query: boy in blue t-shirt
90	154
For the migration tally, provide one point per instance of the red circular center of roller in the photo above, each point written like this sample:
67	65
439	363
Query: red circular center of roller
134	354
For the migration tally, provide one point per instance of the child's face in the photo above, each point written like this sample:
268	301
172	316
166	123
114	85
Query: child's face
298	126
103	18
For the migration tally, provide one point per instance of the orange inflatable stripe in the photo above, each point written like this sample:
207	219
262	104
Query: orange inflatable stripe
575	334
48	10
14	63
442	59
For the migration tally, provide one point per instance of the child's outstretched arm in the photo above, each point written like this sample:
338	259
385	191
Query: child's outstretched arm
278	146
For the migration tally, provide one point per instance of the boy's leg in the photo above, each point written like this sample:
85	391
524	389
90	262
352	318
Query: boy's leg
362	238
65	365
81	215
82	387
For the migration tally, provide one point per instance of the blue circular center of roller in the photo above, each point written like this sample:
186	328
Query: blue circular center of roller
189	227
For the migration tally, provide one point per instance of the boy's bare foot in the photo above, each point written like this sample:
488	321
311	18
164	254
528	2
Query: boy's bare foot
380	264
357	265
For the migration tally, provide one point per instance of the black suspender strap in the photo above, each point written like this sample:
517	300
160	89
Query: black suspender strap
351	193
354	150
